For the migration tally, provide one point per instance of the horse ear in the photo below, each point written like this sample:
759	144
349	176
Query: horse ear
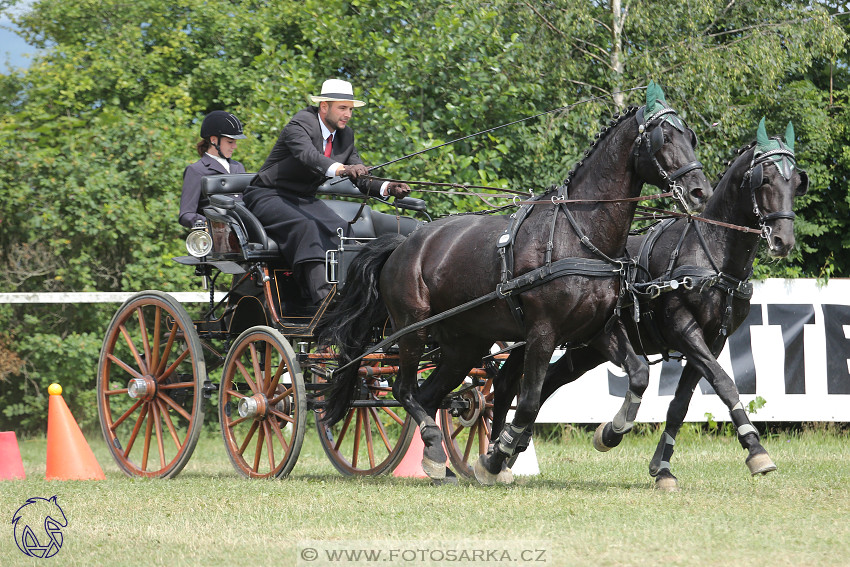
789	136
659	93
651	96
761	136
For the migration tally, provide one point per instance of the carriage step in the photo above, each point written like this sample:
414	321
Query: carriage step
208	389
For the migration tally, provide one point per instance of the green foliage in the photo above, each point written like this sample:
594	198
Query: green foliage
95	134
755	405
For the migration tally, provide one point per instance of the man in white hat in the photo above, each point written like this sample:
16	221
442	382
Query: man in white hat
314	145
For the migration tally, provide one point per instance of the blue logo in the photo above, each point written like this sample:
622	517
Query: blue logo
38	527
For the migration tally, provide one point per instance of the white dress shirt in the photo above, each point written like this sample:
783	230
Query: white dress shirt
331	172
224	163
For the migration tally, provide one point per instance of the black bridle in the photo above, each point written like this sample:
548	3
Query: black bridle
754	177
651	136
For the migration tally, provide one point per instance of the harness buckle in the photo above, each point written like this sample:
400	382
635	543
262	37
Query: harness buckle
678	193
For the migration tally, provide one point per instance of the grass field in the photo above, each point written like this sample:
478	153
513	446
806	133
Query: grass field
585	508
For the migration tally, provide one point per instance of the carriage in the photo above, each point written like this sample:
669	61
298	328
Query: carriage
252	357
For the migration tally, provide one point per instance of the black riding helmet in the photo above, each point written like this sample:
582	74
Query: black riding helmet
220	123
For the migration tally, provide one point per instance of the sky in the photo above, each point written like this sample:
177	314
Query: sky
13	49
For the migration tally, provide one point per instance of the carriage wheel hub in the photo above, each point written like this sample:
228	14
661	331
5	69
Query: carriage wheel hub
284	406
255	407
477	403
142	388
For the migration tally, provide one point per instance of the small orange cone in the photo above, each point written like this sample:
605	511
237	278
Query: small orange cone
411	464
11	465
69	456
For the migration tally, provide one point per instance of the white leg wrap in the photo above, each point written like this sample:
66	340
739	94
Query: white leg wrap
625	418
663	452
741	421
509	438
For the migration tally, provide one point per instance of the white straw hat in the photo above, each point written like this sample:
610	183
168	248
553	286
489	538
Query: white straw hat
336	89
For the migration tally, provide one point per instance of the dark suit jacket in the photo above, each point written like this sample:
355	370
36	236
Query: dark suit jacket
296	163
191	200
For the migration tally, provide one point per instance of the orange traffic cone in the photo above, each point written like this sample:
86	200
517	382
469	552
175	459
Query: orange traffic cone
69	457
11	466
411	464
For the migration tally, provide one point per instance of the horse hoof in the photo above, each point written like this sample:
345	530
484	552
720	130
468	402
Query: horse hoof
485	477
598	444
434	469
451	478
666	484
760	464
482	475
505	476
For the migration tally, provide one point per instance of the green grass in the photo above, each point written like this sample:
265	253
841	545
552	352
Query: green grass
585	508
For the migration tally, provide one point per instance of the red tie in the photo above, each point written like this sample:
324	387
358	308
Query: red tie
329	145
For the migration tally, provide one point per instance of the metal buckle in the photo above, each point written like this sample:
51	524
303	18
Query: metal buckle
654	291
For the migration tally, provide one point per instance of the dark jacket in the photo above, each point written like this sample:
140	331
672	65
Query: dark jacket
296	163
191	200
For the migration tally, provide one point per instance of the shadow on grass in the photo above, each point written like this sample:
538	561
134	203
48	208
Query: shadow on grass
522	483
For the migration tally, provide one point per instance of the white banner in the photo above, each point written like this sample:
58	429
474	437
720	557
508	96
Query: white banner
793	351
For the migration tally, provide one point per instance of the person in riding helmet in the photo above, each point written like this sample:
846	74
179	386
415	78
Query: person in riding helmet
316	144
219	132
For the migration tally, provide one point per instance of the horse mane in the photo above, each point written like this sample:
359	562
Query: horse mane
615	121
743	149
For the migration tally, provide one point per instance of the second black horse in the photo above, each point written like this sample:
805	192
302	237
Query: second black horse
710	264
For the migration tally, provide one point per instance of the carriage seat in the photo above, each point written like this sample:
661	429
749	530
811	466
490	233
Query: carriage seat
219	189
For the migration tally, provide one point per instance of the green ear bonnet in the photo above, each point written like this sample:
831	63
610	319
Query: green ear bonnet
775	150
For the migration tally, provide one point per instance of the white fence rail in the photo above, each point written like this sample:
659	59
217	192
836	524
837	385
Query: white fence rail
793	351
100	297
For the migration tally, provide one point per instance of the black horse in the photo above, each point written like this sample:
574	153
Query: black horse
710	265
561	258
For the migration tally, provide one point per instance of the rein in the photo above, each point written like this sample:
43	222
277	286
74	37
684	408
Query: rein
701	219
558	200
452	185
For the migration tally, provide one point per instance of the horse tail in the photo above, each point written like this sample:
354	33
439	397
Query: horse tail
349	322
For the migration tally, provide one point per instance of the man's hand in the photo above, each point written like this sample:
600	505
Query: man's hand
398	190
354	171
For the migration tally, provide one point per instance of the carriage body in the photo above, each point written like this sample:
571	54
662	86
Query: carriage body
159	368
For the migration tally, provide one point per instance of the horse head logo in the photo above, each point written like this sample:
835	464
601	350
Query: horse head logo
38	527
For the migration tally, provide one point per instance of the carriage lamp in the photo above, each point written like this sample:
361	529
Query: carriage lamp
199	243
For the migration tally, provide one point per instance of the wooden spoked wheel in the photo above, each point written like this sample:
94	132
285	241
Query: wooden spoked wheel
369	441
262	404
467	435
150	382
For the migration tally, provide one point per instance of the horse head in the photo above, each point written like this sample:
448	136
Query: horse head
665	152
773	180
